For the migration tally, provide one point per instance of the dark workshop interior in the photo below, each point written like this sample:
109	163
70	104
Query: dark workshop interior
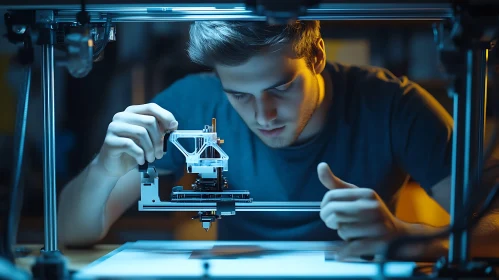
145	59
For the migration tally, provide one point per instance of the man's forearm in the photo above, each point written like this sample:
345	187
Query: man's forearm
484	239
82	204
429	250
421	229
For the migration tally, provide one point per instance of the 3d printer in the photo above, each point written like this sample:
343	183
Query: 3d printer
209	161
210	195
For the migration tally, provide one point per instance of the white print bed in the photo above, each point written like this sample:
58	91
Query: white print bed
215	259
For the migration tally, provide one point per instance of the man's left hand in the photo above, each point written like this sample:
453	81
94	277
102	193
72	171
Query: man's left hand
358	214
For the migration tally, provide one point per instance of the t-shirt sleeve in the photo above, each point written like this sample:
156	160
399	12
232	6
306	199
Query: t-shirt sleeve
421	134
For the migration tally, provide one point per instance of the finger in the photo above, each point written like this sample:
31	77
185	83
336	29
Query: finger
137	133
330	221
329	180
331	196
326	177
368	209
150	123
165	118
122	145
331	210
348	195
333	221
360	248
356	230
338	208
354	208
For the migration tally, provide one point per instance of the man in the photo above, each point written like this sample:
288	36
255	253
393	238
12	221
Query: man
296	129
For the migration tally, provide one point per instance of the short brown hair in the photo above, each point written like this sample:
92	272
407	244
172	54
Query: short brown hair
234	42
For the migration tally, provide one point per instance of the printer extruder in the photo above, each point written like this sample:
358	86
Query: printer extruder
210	195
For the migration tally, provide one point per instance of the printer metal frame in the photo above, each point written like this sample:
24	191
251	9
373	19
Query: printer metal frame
469	110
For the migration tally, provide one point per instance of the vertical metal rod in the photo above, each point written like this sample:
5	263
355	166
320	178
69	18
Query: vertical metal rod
469	119
457	173
212	153
50	208
477	100
476	94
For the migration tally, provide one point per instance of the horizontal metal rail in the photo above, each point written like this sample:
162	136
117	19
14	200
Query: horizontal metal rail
274	206
221	10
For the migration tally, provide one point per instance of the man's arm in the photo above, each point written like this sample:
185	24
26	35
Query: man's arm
484	241
442	190
110	184
484	237
92	202
95	199
422	145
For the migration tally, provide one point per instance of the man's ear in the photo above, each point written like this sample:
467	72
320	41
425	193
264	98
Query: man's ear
319	62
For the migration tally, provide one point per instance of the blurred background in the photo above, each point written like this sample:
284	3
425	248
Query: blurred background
147	58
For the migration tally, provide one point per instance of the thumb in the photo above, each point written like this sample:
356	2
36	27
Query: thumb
329	180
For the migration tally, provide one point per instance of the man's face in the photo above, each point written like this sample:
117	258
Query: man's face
276	95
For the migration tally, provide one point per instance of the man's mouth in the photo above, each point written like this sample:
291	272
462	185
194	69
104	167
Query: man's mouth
272	132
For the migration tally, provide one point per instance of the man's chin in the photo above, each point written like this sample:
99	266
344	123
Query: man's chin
275	142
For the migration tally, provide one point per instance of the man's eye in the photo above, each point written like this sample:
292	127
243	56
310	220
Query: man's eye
238	95
283	87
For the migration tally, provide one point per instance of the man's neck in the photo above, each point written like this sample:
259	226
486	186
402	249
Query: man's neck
319	118
326	91
326	94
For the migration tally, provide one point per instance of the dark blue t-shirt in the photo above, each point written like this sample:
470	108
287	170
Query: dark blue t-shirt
381	130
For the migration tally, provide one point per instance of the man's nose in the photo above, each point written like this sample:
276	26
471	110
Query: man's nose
265	110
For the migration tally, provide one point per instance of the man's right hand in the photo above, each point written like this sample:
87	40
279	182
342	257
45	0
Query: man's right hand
134	136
